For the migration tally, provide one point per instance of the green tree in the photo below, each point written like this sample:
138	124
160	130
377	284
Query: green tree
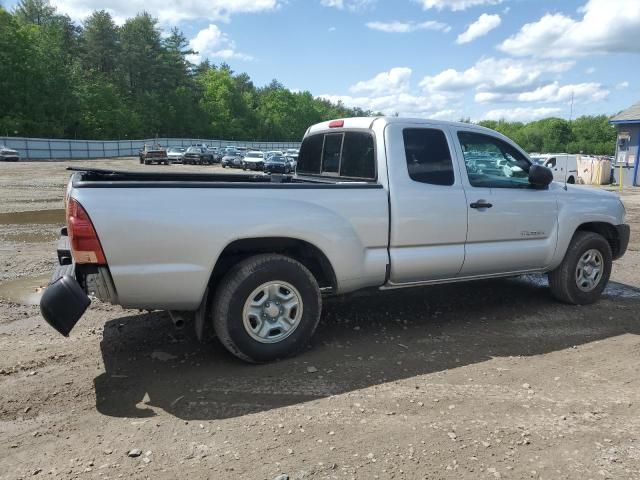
101	43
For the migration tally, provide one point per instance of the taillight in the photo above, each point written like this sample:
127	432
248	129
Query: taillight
336	124
85	245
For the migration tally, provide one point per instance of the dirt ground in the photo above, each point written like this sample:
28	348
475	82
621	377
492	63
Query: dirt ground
479	380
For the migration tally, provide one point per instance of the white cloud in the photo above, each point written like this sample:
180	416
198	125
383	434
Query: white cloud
494	75
590	70
405	104
549	93
554	92
332	29
479	28
622	85
456	5
522	114
605	27
212	43
166	12
392	82
352	5
390	93
406	27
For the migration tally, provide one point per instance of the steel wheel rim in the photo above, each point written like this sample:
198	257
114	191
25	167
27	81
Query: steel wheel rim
272	312
589	270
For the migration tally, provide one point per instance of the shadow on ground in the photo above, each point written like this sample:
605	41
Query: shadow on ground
362	341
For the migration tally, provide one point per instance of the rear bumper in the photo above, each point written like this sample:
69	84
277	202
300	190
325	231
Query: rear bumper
624	232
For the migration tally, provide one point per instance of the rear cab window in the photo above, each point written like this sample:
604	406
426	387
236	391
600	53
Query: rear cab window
428	156
345	154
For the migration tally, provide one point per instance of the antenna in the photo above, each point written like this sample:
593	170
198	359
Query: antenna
566	163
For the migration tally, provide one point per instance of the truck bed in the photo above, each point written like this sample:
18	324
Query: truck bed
162	233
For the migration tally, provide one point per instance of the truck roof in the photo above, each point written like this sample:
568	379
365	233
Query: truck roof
367	123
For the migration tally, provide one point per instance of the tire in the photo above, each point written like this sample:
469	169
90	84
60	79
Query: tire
563	281
231	302
146	162
571	180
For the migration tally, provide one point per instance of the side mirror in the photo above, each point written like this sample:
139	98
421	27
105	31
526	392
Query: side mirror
539	176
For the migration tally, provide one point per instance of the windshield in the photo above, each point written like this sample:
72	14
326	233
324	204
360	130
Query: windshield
275	159
177	149
254	155
193	149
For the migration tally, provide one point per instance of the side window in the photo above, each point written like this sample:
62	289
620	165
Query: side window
490	162
345	154
551	163
428	156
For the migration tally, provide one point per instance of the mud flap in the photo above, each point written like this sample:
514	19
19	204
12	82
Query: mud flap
201	316
63	303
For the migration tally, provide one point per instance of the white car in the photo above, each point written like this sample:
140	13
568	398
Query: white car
253	160
8	154
176	154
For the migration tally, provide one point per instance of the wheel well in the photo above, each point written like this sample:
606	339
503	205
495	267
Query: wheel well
304	252
606	230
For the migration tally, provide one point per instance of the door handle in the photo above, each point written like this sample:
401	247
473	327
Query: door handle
481	204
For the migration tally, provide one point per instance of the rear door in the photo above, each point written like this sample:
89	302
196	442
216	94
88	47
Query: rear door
511	226
428	204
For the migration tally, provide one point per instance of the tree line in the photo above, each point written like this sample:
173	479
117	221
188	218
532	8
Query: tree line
591	135
98	80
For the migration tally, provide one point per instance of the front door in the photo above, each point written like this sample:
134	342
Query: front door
511	226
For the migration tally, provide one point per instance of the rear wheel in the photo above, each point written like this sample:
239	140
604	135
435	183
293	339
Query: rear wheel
571	180
585	270
266	308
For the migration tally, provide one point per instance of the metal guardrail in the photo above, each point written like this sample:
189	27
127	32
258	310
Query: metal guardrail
61	149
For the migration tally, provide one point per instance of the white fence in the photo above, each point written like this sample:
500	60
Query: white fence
58	149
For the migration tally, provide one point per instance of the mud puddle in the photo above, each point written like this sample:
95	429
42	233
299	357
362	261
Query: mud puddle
37	217
26	291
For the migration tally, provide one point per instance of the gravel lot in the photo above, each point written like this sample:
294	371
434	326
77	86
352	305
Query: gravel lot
479	380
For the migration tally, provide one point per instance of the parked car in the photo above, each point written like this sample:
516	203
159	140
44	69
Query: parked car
215	152
197	156
272	153
563	166
360	213
8	154
232	158
277	164
253	160
293	162
150	154
176	154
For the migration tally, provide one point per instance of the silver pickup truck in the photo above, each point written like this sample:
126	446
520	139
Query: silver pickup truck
375	202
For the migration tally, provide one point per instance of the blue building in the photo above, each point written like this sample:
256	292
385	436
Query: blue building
627	123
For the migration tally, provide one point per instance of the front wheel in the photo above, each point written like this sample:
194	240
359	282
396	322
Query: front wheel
585	270
266	308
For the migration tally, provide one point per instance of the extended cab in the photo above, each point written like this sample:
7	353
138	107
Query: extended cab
375	202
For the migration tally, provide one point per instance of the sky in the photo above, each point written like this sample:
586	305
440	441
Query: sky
446	59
